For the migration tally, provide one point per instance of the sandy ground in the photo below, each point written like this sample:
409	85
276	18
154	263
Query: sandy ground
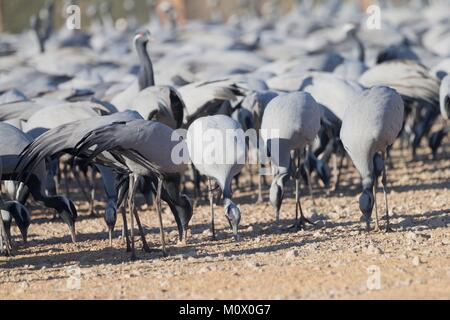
336	259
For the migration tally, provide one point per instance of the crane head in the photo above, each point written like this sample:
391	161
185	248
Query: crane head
111	218
143	37
22	217
233	215
366	203
184	211
277	193
68	213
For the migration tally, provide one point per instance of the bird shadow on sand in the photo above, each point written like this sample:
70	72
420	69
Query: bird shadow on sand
61	260
432	220
118	255
421	187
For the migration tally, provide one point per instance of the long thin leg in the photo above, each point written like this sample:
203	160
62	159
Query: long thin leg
260	196
339	172
145	246
335	167
377	220
92	185
125	233
66	179
56	179
384	182
211	204
130	210
80	186
250	169
161	225
308	175
299	223
297	198
197	186
89	198
260	182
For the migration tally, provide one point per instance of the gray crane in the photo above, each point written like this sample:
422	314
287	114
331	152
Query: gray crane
334	95
138	148
54	116
253	106
370	125
290	123
161	103
66	138
58	140
12	143
229	147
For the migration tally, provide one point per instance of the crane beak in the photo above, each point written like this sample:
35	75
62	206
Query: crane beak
368	220
110	235
73	234
235	228
24	234
184	240
25	238
183	237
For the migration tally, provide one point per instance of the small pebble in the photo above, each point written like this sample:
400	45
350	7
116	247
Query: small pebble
372	250
292	254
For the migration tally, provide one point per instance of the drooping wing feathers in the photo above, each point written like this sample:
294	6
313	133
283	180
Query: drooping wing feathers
98	137
225	89
411	80
49	144
197	95
209	109
64	139
122	189
101	139
136	157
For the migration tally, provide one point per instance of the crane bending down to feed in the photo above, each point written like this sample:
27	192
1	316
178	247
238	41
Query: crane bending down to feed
12	143
137	148
229	147
146	137
370	125
290	123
